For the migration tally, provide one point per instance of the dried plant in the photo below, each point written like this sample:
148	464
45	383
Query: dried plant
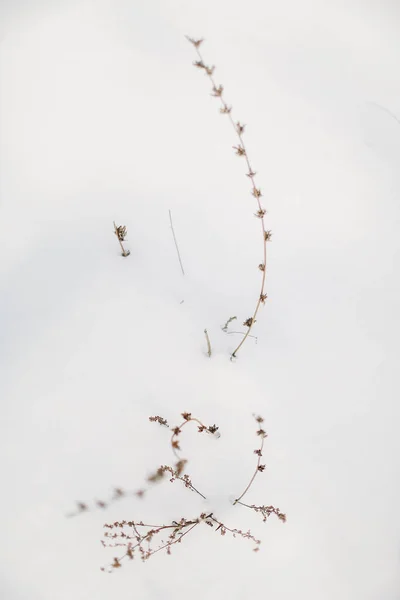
209	352
176	243
121	231
143	539
217	91
225	328
229	321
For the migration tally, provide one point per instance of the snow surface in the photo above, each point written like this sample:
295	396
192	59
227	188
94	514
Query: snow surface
103	118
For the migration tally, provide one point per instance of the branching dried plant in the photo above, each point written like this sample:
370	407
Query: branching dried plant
144	539
240	150
121	231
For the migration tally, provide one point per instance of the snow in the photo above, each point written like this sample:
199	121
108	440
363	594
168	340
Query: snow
104	119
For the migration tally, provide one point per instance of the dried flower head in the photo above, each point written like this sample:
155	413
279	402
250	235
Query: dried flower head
240	128
121	232
196	43
217	91
248	322
240	151
225	110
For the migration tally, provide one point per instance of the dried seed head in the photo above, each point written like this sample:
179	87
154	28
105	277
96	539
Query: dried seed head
196	43
249	322
159	419
240	151
225	110
217	91
240	128
120	232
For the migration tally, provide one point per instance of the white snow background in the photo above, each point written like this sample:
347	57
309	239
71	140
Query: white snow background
104	118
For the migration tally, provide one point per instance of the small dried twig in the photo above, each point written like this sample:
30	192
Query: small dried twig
175	474
208	343
246	535
265	511
240	150
160	420
140	537
176	243
225	327
121	232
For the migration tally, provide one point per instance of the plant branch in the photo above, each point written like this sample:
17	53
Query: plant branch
258	452
217	91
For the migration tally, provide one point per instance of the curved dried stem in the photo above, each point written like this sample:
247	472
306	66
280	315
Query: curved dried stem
259	468
213	429
218	92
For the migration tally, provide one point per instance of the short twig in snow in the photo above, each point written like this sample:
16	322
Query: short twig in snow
208	343
121	232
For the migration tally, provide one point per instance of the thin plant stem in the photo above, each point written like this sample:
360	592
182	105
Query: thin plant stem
241	150
255	472
240	333
176	243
